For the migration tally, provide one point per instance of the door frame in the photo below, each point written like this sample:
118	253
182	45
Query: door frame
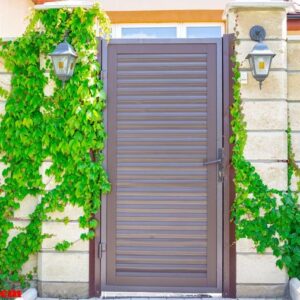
229	245
224	95
216	81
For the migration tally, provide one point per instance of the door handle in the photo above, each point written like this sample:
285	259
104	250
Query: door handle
211	162
220	162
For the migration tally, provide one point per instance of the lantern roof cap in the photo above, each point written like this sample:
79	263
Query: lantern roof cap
64	48
261	49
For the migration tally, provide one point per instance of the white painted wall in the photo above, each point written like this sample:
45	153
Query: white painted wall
125	5
13	14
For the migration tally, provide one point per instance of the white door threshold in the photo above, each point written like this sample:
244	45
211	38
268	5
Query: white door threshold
138	295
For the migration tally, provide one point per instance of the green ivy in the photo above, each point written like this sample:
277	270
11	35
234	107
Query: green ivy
269	217
65	128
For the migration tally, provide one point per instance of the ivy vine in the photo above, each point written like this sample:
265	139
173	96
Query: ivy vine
65	128
269	217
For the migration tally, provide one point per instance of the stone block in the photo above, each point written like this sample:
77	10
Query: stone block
18	224
49	88
5	80
30	265
43	59
49	181
261	291
2	168
63	266
247	246
266	146
27	206
295	180
273	87
265	115
294	115
296	144
259	269
2	68
274	175
70	232
272	19
243	48
69	290
70	211
33	283
2	107
293	86
293	49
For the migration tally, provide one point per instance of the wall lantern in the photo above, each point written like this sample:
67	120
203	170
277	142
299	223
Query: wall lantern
64	60
260	58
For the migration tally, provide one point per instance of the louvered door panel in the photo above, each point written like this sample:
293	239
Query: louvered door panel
161	215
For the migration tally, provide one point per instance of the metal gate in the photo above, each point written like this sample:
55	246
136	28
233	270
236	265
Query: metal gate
162	222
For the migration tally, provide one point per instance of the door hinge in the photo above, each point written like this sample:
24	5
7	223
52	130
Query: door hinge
101	249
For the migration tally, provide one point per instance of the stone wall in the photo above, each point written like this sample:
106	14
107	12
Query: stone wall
59	274
62	274
265	112
28	204
293	94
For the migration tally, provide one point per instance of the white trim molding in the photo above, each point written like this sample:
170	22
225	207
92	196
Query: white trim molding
288	5
66	4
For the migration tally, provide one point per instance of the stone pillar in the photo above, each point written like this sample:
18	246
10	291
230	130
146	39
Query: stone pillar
62	274
265	112
294	96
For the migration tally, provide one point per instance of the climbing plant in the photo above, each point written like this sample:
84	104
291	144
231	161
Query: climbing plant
64	128
269	217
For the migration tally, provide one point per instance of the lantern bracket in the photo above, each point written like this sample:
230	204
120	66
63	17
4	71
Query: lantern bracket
257	33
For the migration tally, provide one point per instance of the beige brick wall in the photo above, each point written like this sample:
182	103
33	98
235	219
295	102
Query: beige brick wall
265	112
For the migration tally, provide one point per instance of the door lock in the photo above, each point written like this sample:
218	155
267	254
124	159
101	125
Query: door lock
220	162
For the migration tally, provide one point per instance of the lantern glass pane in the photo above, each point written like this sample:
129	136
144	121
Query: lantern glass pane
262	65
251	63
71	65
60	64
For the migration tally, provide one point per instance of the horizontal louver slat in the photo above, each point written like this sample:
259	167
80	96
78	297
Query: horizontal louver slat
144	127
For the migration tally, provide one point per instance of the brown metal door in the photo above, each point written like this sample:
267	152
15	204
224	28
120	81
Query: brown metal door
162	230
